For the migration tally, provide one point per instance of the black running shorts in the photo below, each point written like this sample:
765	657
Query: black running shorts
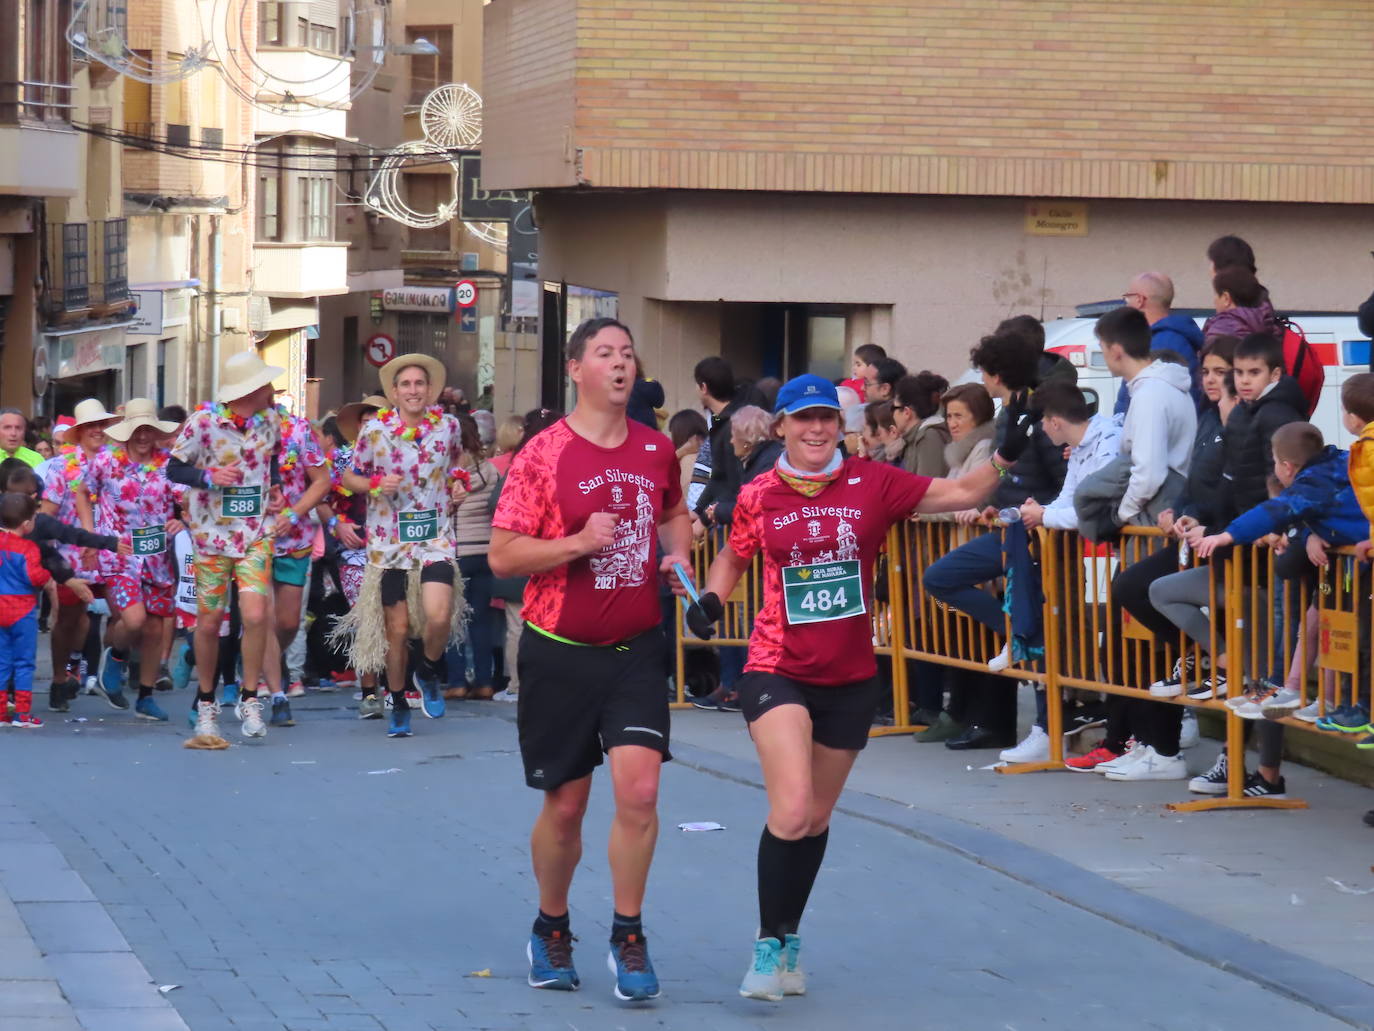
576	702
395	581
840	716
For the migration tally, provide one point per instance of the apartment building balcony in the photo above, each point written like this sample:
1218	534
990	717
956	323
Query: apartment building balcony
40	153
315	268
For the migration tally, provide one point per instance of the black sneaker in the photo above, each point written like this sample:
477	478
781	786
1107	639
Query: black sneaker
57	698
1369	818
164	678
1257	787
1086	718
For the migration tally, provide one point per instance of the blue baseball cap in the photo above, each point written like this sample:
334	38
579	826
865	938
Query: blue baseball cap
806	391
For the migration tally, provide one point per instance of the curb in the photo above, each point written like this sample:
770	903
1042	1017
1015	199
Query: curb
1319	987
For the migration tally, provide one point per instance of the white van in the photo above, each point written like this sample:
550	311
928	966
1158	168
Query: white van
1336	339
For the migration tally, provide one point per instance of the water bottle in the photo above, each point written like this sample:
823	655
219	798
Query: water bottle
1007	516
1184	554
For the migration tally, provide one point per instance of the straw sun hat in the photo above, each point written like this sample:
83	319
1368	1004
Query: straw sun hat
431	365
245	373
138	412
350	416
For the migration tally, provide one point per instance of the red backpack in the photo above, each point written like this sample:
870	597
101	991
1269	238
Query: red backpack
1301	361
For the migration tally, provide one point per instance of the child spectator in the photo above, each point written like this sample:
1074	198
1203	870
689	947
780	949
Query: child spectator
1269	399
1242	306
21	577
1357	399
864	368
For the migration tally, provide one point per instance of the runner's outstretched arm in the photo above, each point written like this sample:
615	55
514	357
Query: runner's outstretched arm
968	491
725	573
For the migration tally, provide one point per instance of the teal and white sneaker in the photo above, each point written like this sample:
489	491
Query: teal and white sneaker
551	964
110	679
148	709
432	696
793	976
763	979
635	980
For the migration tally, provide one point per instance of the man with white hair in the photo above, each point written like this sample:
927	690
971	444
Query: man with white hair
1153	294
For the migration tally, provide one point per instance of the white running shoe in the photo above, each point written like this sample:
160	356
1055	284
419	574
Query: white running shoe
793	976
1122	762
506	695
1309	713
250	712
1188	734
1035	747
1001	660
1153	766
207	720
763	979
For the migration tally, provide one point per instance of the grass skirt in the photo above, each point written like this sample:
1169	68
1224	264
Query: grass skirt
363	630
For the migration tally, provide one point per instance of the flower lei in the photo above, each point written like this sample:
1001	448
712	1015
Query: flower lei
222	411
391	419
121	458
71	468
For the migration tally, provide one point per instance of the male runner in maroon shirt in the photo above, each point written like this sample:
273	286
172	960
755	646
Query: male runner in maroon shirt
585	505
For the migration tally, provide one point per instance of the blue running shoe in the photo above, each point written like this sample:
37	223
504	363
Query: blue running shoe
400	723
432	697
763	979
148	709
110	679
281	713
229	694
551	964
628	960
181	662
1353	719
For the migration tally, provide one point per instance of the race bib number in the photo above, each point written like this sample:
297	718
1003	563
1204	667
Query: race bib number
149	540
241	502
414	527
823	592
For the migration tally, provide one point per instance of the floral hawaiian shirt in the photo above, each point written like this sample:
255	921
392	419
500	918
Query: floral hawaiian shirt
300	450
133	500
346	504
213	437
64	475
425	465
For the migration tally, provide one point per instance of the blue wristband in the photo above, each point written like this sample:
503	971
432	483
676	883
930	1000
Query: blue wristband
209	478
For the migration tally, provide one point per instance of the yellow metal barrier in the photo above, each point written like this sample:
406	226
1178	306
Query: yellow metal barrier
1088	647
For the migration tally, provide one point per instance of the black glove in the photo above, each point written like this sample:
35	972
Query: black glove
1020	425
701	619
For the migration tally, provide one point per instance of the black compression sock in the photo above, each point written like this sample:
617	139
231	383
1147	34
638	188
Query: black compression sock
431	669
398	701
787	871
623	926
545	925
205	696
144	692
246	692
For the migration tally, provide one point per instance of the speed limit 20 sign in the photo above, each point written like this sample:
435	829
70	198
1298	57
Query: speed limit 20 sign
465	293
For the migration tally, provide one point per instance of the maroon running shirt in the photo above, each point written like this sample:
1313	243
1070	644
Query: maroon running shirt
846	522
555	483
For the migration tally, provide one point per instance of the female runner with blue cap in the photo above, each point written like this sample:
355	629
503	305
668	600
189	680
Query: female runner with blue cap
810	689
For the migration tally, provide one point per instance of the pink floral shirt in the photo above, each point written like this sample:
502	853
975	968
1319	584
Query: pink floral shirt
59	486
211	439
425	466
300	450
130	497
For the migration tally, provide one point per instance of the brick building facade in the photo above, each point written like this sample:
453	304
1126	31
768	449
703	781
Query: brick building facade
882	162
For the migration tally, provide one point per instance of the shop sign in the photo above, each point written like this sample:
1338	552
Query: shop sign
80	354
148	318
436	300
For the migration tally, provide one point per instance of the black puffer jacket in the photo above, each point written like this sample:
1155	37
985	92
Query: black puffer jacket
1038	473
1205	496
1249	449
725	467
762	457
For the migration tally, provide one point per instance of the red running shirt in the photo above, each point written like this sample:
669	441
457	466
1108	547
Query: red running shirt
846	521
555	483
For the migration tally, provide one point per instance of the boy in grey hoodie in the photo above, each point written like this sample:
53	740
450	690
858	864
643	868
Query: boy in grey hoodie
1161	420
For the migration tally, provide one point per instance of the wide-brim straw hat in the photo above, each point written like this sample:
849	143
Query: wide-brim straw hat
139	412
87	412
433	366
243	374
350	416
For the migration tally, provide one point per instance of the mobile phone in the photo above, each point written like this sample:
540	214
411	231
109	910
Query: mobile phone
686	579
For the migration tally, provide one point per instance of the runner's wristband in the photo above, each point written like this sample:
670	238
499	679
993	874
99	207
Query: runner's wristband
333	523
209	476
374	485
292	517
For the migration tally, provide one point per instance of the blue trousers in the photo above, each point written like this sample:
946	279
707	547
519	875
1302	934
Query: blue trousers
19	651
954	580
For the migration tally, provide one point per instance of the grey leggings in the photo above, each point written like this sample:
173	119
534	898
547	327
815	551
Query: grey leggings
1180	598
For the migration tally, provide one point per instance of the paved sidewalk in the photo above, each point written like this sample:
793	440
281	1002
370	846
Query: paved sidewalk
329	878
